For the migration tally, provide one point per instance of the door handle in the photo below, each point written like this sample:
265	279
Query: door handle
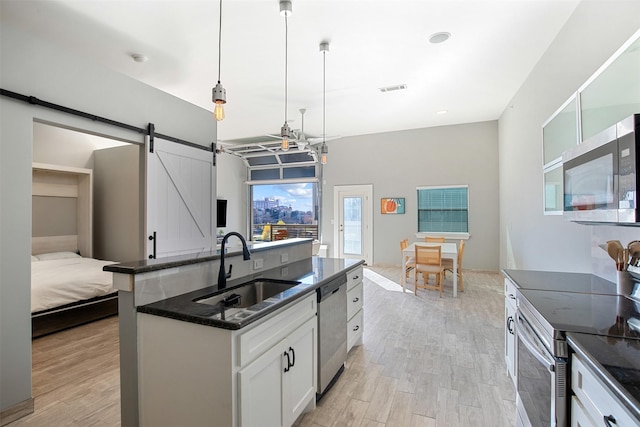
356	299
608	419
356	328
153	239
510	322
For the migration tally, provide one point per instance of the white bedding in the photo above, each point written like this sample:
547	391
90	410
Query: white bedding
63	281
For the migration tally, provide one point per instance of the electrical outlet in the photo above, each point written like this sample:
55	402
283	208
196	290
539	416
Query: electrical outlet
258	263
284	272
284	258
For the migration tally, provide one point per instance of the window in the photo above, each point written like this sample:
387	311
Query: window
443	209
284	210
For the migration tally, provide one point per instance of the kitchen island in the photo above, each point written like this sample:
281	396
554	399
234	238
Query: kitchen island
181	360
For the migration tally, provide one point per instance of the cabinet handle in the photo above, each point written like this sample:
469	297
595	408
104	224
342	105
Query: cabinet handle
293	356
288	362
608	419
510	322
356	328
356	277
356	299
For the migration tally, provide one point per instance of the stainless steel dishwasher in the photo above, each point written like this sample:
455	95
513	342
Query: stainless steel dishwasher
332	332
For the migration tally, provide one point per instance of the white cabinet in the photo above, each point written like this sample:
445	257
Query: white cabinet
276	388
191	374
510	328
595	402
355	302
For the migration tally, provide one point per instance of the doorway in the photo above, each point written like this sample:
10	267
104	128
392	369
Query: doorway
353	207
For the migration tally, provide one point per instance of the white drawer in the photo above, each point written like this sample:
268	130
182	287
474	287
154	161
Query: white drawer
596	398
354	277
579	416
355	329
267	333
354	300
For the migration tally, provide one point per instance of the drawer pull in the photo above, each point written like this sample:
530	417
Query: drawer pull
355	328
608	419
356	277
356	299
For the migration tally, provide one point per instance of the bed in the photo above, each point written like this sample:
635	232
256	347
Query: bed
68	290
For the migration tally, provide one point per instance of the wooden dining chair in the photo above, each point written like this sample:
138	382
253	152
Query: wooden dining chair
428	262
447	265
434	239
408	262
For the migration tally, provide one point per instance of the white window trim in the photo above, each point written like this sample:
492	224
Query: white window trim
447	235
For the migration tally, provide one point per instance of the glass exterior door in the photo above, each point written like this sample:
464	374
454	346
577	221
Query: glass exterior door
351	225
353	233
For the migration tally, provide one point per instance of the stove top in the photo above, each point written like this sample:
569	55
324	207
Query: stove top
561	282
560	312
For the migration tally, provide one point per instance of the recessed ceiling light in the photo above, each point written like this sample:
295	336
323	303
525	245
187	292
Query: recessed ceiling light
439	37
442	112
139	57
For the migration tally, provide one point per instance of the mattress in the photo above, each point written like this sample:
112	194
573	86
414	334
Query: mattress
58	282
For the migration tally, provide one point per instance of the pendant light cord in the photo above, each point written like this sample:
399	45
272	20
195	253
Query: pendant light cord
220	42
324	92
286	62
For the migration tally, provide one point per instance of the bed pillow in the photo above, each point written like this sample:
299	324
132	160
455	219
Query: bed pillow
34	258
58	255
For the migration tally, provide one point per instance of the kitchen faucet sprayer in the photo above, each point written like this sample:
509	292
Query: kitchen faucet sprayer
246	255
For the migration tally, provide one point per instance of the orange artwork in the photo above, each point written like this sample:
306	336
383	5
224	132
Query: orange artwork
392	205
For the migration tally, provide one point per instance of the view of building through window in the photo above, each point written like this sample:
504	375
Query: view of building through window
284	211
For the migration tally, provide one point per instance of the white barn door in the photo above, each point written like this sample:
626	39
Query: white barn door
179	199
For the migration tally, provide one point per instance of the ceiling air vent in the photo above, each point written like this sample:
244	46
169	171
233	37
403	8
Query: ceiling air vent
392	88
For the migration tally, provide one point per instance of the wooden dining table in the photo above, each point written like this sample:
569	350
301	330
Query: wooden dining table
449	250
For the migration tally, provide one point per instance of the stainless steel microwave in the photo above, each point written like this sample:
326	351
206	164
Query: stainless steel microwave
600	175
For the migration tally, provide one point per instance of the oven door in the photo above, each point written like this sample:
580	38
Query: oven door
541	381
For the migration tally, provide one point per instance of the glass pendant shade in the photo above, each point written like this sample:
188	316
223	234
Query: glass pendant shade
324	151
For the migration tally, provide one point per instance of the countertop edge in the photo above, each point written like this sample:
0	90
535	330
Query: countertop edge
616	388
145	266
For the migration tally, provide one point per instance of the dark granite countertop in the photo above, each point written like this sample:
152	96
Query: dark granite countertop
146	265
560	281
616	362
311	273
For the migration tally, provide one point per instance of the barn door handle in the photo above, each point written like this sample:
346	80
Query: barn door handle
153	239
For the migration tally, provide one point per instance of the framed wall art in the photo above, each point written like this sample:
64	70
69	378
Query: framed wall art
392	205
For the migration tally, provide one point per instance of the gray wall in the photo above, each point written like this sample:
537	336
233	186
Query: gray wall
231	175
528	239
32	66
395	163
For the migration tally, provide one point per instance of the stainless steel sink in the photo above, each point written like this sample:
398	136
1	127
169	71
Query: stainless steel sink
250	295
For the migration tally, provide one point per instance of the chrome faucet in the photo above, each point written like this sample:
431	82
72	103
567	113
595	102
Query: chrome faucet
246	255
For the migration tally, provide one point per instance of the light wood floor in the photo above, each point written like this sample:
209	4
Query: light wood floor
426	361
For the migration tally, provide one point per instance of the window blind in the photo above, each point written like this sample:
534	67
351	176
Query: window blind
443	209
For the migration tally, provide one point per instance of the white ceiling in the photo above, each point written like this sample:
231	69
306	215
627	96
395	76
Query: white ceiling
494	44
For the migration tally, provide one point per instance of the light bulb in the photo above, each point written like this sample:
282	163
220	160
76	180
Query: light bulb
323	159
218	111
285	144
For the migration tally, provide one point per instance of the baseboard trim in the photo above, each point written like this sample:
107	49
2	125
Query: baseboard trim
16	412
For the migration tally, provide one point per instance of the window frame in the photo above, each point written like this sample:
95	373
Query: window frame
464	235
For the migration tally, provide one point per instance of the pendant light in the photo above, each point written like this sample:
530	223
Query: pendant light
324	150
285	131
219	94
